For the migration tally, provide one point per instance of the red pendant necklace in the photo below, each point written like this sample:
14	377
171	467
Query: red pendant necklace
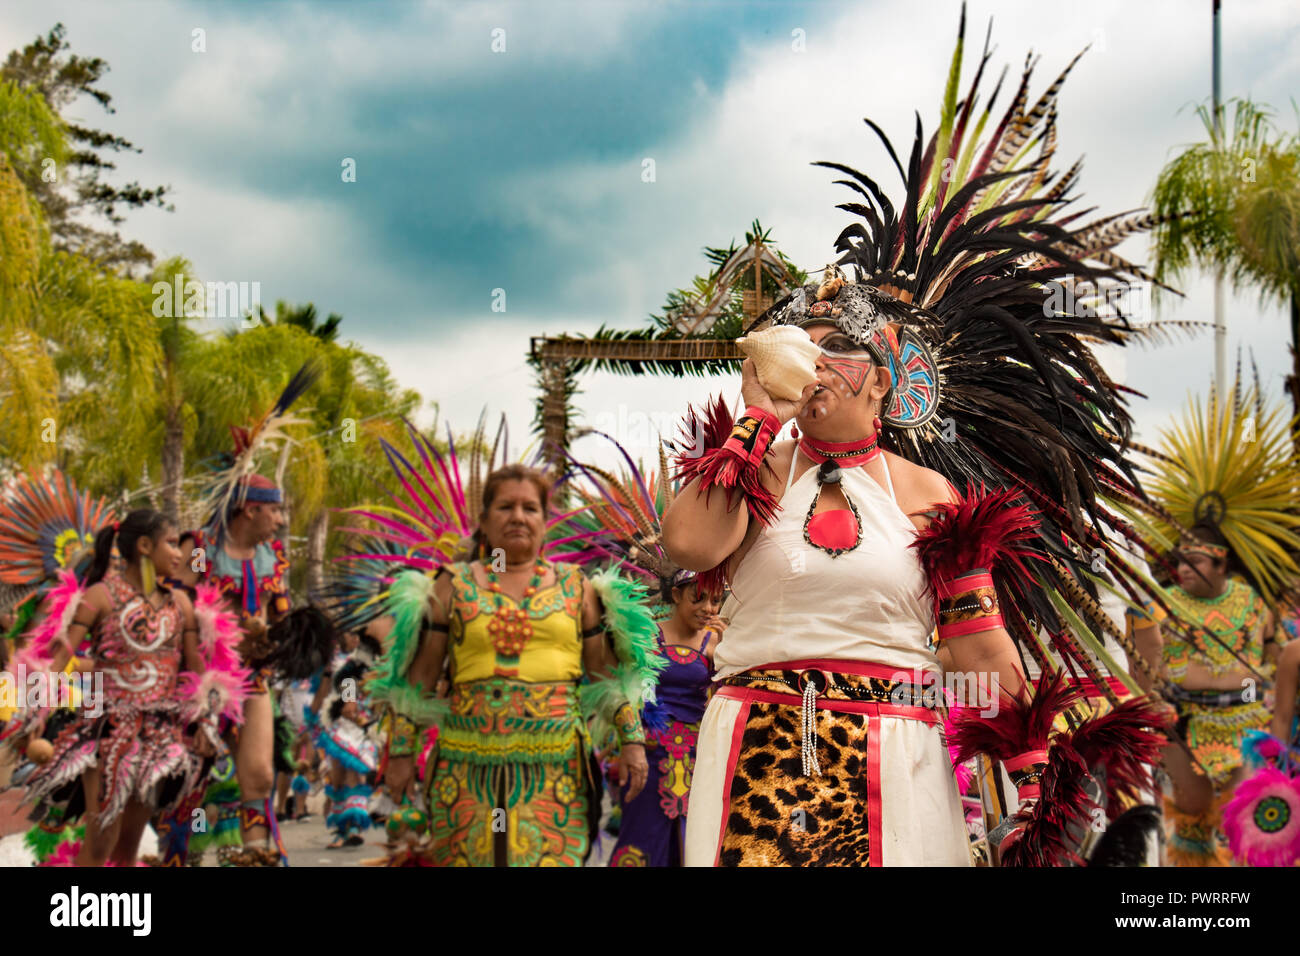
840	530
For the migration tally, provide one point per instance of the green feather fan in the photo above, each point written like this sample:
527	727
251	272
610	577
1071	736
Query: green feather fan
630	620
406	600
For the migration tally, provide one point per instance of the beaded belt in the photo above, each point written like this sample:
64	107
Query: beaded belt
842	686
1207	698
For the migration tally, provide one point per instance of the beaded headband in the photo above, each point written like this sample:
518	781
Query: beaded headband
1216	551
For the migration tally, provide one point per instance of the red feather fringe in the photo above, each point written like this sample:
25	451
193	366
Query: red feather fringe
1020	725
705	459
1125	742
703	435
1045	839
1122	742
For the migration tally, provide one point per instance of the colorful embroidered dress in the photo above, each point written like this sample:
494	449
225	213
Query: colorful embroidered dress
136	741
512	784
1216	720
653	831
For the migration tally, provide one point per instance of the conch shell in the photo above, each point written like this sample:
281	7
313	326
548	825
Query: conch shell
785	359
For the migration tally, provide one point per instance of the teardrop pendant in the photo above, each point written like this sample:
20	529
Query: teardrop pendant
829	531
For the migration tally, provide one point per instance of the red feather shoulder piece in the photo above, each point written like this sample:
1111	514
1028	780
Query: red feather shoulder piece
985	529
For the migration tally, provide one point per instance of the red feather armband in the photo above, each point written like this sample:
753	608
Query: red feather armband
965	545
967	604
737	464
1026	772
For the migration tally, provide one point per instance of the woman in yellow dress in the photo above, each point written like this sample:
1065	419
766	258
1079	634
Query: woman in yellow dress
513	781
1217	671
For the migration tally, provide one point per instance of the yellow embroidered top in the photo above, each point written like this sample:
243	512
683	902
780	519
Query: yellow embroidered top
493	636
1236	617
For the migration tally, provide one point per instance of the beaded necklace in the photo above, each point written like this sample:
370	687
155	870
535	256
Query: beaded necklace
511	628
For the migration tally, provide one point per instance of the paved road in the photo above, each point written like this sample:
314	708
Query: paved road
306	841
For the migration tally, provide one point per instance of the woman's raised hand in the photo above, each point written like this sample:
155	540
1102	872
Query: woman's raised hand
753	393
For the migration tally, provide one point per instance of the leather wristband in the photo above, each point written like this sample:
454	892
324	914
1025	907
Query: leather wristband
968	604
627	724
751	434
1026	772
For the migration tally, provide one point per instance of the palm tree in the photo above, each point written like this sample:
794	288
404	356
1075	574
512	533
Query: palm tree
1242	187
336	459
28	378
301	316
77	345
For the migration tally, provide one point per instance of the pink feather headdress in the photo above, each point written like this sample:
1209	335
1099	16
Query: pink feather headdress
61	604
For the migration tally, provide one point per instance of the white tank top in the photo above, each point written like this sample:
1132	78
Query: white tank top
792	601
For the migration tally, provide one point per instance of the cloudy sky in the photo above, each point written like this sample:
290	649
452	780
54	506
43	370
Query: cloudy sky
521	168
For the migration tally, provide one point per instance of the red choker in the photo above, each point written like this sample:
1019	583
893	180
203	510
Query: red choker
846	454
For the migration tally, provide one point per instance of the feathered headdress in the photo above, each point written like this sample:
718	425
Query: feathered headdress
1233	464
430	520
46	526
623	516
236	482
977	292
355	582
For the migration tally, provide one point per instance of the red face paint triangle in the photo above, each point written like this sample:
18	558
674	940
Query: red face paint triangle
853	372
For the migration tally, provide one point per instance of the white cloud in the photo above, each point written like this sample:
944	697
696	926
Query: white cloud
746	153
623	243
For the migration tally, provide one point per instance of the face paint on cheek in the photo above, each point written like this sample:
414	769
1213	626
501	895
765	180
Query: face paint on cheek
852	371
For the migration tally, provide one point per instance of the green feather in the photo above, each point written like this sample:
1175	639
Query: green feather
629	618
1086	637
406	600
947	116
42	841
23	615
632	623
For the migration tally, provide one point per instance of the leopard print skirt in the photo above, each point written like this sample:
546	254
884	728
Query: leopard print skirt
884	793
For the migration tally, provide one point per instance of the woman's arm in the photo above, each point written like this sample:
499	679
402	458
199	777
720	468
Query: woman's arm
427	666
1288	677
990	659
424	672
1272	650
702	528
1147	639
95	603
989	656
598	660
597	651
192	656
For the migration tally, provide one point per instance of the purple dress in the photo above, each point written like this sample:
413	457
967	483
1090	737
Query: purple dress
653	829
